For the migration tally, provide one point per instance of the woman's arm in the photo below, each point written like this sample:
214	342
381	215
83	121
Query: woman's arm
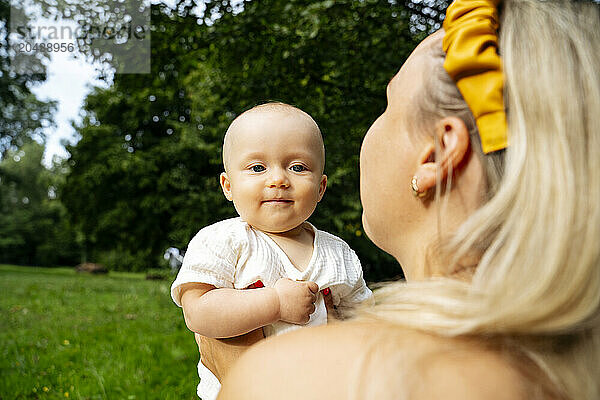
225	312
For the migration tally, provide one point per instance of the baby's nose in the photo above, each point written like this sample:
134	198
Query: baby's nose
278	178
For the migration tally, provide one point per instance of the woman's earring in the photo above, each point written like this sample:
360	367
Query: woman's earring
415	188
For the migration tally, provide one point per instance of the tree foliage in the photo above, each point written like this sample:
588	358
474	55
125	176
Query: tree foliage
144	175
136	181
33	224
22	115
34	229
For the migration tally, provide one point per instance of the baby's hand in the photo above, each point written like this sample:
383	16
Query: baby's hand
296	300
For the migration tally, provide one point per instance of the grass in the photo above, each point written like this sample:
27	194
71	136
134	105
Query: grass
79	336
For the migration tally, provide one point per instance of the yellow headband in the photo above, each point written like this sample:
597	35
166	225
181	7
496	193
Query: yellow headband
472	61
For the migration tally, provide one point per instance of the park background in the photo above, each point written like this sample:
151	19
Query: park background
142	176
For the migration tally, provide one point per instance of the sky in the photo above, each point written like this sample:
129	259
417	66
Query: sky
68	82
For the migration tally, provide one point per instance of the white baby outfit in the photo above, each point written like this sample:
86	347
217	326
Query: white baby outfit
232	254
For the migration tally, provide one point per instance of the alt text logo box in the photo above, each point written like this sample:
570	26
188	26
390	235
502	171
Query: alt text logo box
115	33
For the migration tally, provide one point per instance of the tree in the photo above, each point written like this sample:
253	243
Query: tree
34	229
133	169
22	115
427	15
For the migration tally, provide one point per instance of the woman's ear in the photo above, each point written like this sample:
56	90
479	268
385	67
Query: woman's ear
225	185
453	136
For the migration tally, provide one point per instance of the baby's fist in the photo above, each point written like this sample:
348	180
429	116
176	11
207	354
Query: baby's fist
296	300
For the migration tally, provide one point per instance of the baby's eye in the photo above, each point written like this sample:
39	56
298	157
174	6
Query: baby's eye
257	168
298	168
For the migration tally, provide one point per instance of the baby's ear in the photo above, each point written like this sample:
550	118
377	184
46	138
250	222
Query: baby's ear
322	186
225	185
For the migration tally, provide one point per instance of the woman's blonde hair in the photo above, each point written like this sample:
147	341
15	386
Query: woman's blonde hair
537	282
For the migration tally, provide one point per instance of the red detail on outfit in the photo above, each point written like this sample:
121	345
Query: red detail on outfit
258	284
326	292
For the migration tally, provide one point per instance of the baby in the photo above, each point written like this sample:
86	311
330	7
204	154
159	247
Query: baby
274	157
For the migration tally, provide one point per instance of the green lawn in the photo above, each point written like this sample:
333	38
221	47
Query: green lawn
68	335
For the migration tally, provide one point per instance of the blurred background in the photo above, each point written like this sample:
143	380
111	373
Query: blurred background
115	172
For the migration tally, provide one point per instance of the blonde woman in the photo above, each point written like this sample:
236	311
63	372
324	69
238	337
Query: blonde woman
482	178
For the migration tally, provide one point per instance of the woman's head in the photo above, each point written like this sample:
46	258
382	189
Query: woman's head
387	161
426	125
530	218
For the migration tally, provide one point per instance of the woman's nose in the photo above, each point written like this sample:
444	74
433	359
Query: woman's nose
278	178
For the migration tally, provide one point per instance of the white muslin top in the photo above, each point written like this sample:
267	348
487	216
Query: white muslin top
232	254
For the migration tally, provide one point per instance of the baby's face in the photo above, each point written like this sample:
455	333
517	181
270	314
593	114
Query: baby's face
274	169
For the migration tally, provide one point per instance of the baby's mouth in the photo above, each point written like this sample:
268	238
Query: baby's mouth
278	201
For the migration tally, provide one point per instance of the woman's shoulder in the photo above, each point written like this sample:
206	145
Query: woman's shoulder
371	360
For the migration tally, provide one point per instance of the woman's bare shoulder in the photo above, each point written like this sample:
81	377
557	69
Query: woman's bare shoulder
370	360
